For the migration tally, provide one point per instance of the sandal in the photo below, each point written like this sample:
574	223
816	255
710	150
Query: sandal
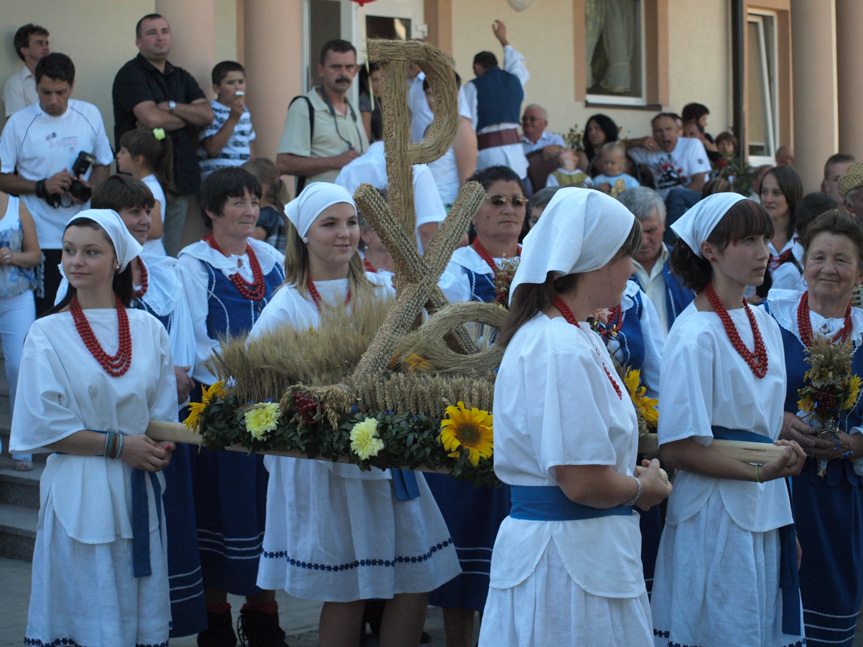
22	464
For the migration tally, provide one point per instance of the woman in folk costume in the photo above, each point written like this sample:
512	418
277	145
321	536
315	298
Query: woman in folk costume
726	573
99	567
336	533
828	509
566	567
229	277
473	514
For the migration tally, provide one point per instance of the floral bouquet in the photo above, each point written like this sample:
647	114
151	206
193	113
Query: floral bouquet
574	139
733	168
830	391
645	407
503	275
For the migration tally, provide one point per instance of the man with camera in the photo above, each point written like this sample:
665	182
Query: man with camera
47	150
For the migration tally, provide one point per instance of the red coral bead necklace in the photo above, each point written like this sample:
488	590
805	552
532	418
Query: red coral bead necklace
114	365
484	255
316	296
568	315
145	279
254	291
804	324
756	359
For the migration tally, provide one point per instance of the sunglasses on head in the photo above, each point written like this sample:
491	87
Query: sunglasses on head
500	200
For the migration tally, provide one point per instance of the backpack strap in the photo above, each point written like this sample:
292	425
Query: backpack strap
301	180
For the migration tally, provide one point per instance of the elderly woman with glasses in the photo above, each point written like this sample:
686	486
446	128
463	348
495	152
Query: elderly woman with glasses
473	515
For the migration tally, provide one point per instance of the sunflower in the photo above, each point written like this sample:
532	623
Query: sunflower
196	409
469	429
853	392
644	406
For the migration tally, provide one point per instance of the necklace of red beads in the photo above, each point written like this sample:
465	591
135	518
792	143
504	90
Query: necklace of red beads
114	365
316	296
613	324
484	255
254	291
756	359
145	279
558	303
804	325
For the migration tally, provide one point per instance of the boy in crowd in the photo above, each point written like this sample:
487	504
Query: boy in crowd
228	140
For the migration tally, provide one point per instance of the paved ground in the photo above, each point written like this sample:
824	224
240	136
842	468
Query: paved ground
299	618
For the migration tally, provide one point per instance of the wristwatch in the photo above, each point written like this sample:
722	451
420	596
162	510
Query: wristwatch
171	106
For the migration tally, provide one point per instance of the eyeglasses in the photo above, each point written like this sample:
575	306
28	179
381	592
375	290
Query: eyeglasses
531	118
500	200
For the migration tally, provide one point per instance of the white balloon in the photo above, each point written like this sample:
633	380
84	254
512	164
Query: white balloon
519	5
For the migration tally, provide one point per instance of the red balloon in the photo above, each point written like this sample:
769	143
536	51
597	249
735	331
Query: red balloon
362	2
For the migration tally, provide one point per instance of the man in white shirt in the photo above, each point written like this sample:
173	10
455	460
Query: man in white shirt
31	45
535	138
494	98
652	269
42	143
679	165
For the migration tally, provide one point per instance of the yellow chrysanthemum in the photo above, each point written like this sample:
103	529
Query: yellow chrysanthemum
262	418
365	441
853	391
645	406
470	429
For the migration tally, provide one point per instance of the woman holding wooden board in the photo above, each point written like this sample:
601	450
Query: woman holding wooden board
726	570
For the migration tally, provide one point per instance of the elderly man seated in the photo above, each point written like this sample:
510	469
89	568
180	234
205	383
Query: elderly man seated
534	138
652	269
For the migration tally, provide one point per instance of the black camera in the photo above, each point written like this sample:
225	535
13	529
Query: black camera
77	189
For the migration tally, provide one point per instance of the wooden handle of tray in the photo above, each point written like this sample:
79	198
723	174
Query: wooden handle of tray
746	452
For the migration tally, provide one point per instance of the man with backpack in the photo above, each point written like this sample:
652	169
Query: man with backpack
323	131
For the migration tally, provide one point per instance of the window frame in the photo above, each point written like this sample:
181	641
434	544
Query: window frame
773	112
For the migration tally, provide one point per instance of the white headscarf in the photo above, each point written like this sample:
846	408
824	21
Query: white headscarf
696	225
316	197
125	245
580	231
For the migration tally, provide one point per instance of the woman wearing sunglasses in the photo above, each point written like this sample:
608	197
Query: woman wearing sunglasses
470	273
473	515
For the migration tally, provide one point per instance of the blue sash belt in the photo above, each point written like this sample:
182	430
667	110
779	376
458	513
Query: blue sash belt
549	503
405	484
789	578
141	520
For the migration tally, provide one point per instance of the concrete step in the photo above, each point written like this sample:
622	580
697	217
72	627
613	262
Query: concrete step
4	439
19	488
17	531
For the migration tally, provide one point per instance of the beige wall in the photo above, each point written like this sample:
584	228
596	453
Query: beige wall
98	36
698	45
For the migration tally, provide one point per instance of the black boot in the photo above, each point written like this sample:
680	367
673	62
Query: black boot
219	631
259	629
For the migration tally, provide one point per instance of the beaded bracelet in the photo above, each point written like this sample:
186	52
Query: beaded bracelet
113	445
637	494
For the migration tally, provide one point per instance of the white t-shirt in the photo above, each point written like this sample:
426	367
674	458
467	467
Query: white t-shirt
674	169
555	405
155	247
371	168
39	145
421	114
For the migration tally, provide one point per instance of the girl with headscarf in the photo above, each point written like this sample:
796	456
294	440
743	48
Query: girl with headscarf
566	567
100	565
229	277
336	533
726	572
